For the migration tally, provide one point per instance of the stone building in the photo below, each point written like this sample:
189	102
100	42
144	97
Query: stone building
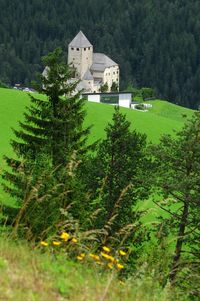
92	69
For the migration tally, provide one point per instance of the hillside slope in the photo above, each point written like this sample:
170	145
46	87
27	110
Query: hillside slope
162	118
27	274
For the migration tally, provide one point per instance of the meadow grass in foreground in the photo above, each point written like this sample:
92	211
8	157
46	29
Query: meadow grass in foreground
28	274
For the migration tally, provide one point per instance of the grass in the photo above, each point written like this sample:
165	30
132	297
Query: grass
162	118
28	274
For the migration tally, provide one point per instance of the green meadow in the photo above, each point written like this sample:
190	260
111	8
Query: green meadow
162	118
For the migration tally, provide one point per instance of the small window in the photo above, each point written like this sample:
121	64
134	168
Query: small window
84	49
113	72
88	48
72	48
77	49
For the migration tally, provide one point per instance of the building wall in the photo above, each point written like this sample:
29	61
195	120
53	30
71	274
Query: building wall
89	84
81	59
111	75
125	100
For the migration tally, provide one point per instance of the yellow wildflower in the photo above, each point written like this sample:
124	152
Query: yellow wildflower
106	256
74	240
95	257
44	243
82	255
111	258
65	236
106	249
80	258
122	253
110	265
120	266
56	243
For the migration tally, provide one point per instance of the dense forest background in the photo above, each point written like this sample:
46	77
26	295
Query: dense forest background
156	43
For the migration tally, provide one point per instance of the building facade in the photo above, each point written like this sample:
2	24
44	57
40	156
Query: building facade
93	70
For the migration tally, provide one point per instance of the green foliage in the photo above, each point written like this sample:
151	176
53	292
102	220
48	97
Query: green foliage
51	142
104	88
116	175
114	87
3	85
176	175
147	93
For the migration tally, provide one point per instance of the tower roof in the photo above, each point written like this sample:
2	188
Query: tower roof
80	41
88	75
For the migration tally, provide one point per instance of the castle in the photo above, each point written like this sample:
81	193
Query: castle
93	70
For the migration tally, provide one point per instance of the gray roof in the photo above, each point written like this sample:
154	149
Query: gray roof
101	62
88	75
80	41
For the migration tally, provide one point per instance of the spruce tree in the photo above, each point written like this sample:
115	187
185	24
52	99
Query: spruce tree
117	172
51	134
177	166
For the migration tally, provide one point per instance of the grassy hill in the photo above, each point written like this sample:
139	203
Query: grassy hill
163	117
29	274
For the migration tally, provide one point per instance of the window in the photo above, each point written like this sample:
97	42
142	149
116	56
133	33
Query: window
114	72
84	49
88	48
77	49
72	48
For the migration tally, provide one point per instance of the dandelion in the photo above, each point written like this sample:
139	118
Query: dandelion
74	240
106	256
56	243
44	243
95	257
65	236
106	249
82	255
122	253
80	258
110	265
120	266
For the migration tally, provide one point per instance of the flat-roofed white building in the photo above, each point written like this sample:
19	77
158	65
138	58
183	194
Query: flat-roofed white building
122	99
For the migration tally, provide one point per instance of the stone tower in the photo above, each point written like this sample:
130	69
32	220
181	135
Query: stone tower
80	54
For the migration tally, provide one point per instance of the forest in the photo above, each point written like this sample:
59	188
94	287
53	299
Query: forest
156	43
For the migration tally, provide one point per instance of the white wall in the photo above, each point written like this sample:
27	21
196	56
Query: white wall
125	100
94	98
110	76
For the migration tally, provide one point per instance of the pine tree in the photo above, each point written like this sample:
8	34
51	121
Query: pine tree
50	136
177	163
117	171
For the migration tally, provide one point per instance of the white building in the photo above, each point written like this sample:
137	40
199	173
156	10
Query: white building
92	69
122	99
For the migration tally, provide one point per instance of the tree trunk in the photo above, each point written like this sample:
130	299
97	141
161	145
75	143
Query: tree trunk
179	243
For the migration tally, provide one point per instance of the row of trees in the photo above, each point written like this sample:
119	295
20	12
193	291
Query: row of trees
155	45
57	177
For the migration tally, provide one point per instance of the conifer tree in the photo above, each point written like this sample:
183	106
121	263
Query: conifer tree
177	163
52	132
117	170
